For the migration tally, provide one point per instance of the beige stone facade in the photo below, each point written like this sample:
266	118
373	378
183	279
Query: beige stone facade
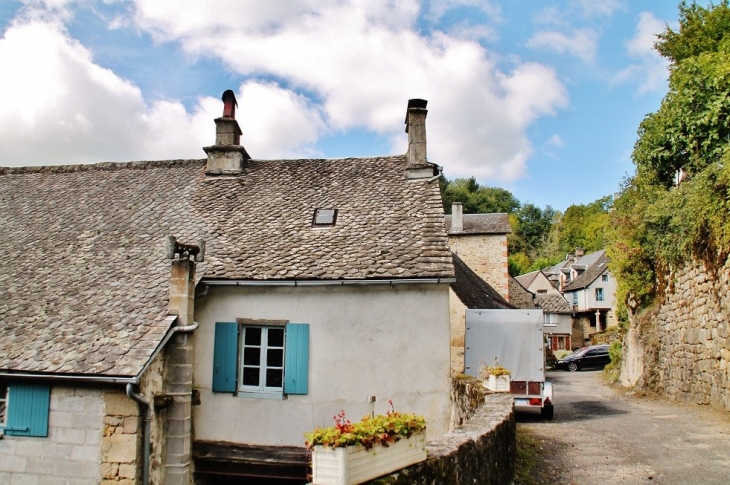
457	317
486	255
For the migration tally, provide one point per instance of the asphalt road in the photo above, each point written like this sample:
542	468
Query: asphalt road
603	435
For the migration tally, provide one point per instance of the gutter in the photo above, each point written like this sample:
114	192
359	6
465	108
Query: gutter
391	282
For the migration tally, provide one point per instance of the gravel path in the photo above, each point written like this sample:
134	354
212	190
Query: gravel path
603	435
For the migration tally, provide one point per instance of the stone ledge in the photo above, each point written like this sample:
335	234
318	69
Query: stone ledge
481	451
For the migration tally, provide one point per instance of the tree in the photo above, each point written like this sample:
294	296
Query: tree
475	198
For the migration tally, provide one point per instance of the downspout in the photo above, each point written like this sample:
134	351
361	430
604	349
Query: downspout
147	409
144	404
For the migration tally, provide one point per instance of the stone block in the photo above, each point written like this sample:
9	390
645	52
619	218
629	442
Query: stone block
109	470
61	419
90	454
72	404
119	404
93	437
56	450
122	448
85	421
127	471
13	464
24	479
7	447
41	466
71	436
113	420
131	424
29	448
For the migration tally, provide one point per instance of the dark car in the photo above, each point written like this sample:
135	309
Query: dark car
594	356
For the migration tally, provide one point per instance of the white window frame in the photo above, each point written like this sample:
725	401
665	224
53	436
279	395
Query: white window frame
261	390
599	291
604	277
575	298
551	319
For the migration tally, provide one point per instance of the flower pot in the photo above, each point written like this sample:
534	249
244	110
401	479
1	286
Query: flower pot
355	464
497	383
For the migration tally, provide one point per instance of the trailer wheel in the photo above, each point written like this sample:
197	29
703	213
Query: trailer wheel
547	412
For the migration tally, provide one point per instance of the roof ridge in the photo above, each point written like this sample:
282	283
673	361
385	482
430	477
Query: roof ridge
101	166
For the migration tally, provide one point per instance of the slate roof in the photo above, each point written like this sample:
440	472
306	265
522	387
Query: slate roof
553	303
84	281
596	263
526	279
473	291
496	223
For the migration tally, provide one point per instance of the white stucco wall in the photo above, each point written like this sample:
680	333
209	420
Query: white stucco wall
587	296
71	453
388	341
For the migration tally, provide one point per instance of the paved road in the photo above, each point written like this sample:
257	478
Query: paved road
602	435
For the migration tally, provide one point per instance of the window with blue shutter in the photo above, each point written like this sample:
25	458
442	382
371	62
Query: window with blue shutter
261	360
225	357
26	409
296	362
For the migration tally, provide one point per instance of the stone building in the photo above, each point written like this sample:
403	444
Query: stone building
164	317
480	240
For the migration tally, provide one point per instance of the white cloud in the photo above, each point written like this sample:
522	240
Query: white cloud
438	8
338	65
556	141
650	71
599	7
580	43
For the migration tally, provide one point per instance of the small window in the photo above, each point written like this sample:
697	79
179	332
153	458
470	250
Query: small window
324	217
575	299
541	292
599	294
551	319
604	277
24	408
262	366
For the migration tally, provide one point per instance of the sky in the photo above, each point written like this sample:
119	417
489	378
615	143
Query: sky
540	97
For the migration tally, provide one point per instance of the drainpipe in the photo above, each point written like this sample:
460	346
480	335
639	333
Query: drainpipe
145	406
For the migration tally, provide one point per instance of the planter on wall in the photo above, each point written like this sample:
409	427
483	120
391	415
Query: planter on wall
497	383
355	464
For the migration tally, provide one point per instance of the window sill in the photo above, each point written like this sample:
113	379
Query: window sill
274	396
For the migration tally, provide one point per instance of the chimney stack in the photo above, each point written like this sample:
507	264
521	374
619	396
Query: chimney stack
227	156
457	217
417	167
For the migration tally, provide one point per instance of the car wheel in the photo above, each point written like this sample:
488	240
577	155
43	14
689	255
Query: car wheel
572	367
547	412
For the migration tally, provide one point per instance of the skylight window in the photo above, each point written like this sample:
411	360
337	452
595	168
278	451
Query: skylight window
324	217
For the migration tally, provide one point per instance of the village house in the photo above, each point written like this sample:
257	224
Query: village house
161	319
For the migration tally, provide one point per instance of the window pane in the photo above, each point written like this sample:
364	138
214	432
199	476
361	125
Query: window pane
274	377
276	337
274	357
253	336
251	356
250	376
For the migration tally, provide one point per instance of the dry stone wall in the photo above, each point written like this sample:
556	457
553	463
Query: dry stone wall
486	255
692	354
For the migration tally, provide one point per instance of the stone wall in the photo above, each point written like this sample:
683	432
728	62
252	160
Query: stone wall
686	343
457	321
519	296
121	441
486	255
481	451
71	451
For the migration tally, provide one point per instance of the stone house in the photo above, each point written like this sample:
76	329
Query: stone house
163	320
557	313
587	284
537	282
480	240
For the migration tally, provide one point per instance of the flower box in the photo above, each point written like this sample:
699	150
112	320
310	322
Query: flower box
497	383
355	464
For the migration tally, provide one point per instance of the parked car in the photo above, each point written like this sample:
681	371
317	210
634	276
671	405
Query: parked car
594	356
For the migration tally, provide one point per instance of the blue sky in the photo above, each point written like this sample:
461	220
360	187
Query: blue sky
540	97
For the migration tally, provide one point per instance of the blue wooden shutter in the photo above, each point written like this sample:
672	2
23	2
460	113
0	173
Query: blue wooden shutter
28	409
225	354
296	360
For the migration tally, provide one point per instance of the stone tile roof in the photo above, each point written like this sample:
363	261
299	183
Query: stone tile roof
84	281
496	223
553	303
473	291
527	278
596	263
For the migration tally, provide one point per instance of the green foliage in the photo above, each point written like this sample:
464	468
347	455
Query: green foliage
518	264
530	229
380	429
584	226
475	198
612	370
656	224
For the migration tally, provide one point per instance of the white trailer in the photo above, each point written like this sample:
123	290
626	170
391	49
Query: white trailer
515	339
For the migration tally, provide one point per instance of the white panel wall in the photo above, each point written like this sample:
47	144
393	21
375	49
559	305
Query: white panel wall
388	341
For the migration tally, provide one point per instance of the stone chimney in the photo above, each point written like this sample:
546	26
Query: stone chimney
227	156
178	379
579	253
457	217
417	167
